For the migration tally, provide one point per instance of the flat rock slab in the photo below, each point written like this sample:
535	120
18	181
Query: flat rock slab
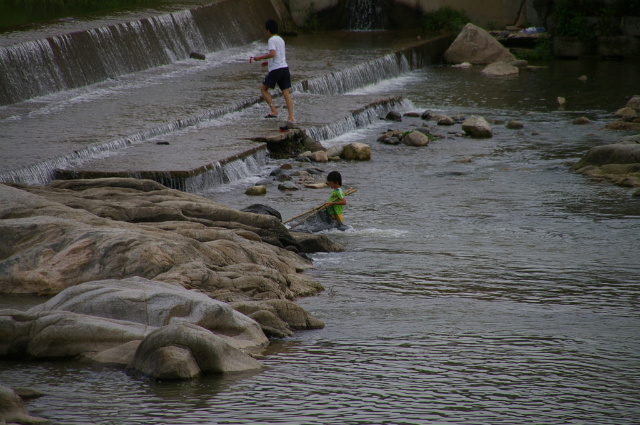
197	150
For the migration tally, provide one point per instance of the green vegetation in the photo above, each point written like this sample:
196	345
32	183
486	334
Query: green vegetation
571	20
627	8
491	26
20	12
444	19
609	24
570	17
311	22
542	52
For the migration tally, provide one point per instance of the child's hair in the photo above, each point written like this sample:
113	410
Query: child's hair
335	177
271	26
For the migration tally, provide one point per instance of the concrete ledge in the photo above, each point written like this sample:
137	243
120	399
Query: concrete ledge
621	46
192	159
569	47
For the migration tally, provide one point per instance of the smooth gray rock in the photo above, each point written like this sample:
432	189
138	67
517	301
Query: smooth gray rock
184	350
477	127
156	304
13	409
415	138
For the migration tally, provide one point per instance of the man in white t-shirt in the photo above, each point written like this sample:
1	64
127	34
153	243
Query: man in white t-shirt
278	71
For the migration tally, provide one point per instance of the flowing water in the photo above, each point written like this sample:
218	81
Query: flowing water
482	282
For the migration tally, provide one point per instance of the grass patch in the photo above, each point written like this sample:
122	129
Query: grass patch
14	13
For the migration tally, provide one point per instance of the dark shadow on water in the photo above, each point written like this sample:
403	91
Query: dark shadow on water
319	222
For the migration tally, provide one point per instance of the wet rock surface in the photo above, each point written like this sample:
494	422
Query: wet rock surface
127	259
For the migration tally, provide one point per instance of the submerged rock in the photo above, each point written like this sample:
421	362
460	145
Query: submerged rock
319	222
515	125
13	409
499	69
257	190
263	209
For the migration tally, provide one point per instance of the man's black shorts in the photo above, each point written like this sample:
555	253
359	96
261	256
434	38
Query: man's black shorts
278	76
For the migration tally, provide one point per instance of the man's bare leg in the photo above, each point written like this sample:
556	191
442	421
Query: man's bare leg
287	99
267	97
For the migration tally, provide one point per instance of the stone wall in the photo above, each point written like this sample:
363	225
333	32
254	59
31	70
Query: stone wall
498	12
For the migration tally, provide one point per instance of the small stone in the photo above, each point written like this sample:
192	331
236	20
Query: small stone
444	120
288	185
581	121
257	190
515	125
393	116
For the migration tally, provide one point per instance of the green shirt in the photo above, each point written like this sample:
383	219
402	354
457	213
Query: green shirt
335	196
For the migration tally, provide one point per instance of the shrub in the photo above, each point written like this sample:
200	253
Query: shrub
444	19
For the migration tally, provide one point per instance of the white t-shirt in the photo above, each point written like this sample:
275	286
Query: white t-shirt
280	59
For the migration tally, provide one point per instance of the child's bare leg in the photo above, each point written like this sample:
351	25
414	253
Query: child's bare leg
267	97
287	99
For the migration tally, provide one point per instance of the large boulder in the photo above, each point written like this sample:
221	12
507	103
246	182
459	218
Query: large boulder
94	318
634	103
156	304
61	235
478	47
62	334
146	201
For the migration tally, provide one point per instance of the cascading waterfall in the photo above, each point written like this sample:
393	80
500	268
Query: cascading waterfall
220	174
40	67
371	72
34	68
349	79
356	120
364	15
43	172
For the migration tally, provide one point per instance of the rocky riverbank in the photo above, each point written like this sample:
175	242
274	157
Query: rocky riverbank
149	279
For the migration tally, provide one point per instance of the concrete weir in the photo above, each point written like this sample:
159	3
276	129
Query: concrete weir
183	122
196	156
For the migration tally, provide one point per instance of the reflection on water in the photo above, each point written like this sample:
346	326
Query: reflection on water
501	290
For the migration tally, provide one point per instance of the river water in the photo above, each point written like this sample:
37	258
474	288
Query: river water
482	282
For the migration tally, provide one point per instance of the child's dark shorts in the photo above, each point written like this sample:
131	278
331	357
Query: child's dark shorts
280	76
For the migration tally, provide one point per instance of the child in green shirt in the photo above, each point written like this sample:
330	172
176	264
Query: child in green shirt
336	202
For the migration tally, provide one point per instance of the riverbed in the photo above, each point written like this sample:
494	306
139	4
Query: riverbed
482	283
